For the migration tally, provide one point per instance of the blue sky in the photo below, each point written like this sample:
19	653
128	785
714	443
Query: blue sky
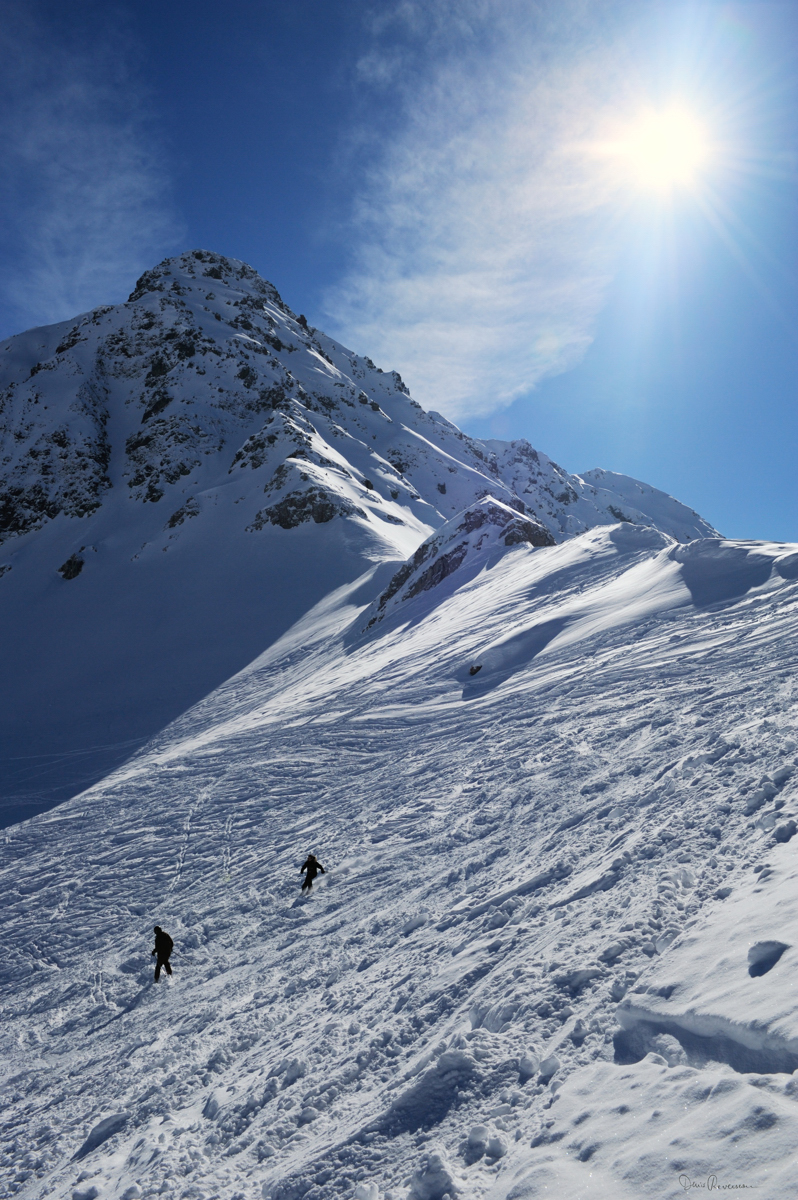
425	182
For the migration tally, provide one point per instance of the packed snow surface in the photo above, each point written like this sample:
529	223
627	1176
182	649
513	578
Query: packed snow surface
554	950
183	476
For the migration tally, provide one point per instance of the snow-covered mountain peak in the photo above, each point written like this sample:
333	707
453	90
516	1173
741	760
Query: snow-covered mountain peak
198	467
205	271
572	499
206	368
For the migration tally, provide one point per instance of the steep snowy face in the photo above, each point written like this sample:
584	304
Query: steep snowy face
553	951
182	476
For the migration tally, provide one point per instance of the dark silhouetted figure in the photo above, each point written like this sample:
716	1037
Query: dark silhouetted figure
310	868
163	948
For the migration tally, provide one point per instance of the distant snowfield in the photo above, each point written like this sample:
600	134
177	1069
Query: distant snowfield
554	952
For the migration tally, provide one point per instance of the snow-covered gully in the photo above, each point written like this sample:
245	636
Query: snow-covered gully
541	960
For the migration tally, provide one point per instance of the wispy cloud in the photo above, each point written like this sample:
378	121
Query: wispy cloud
486	227
84	202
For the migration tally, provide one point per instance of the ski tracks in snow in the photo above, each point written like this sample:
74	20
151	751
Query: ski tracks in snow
499	876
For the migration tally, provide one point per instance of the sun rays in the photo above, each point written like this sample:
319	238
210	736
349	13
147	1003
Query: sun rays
661	150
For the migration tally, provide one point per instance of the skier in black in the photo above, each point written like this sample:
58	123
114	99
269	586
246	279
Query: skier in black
312	866
163	948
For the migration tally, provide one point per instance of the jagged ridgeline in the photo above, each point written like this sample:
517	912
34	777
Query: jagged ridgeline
182	476
206	367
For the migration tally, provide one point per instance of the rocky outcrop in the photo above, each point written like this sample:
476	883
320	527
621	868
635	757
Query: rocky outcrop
488	526
56	465
313	504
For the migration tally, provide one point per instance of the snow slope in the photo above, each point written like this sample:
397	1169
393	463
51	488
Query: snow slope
183	476
554	790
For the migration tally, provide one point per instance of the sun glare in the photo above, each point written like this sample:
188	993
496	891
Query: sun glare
664	149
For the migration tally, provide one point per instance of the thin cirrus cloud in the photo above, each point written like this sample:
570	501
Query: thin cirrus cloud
486	229
84	203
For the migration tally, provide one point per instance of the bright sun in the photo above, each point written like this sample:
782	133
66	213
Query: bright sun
664	149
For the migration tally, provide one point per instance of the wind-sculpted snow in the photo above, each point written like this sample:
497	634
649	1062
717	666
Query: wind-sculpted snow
506	864
183	476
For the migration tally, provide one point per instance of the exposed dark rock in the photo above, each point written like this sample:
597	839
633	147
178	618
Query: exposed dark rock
274	397
190	509
530	532
150	281
61	469
403	574
72	567
156	405
438	571
517	530
70	341
618	514
314	504
21	510
397	461
158	368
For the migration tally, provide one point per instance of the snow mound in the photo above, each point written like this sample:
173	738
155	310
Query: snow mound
707	991
101	1132
653	1130
717	571
434	1178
